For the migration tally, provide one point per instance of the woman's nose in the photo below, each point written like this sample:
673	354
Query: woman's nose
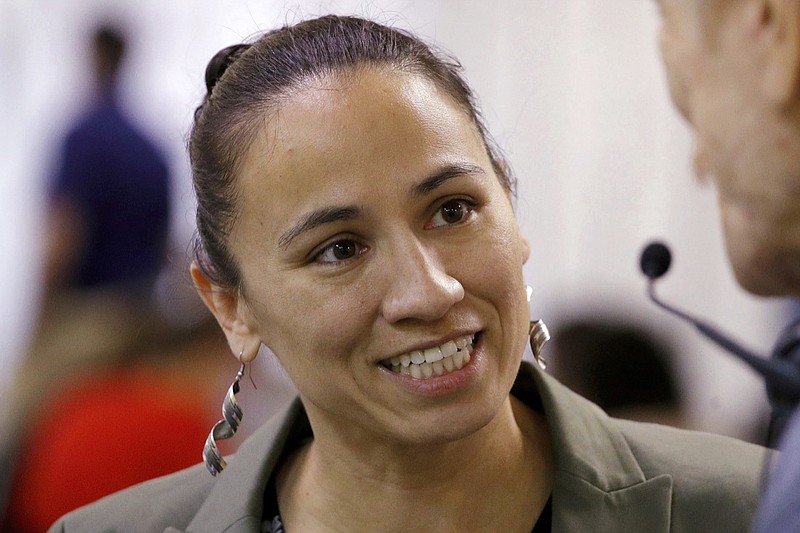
419	286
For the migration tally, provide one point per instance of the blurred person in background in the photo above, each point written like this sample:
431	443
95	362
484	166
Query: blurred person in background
106	231
622	368
105	427
109	204
733	68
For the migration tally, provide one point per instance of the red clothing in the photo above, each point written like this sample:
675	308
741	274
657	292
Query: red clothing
101	434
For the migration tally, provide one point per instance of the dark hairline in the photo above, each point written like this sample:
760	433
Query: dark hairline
250	129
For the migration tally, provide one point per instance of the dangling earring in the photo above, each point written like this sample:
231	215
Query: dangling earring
225	428
538	333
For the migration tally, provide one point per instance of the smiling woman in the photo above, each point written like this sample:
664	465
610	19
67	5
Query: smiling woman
355	218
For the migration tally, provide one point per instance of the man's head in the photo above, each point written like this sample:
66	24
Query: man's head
733	68
108	50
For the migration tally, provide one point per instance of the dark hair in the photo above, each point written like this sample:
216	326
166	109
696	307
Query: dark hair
109	45
247	81
615	364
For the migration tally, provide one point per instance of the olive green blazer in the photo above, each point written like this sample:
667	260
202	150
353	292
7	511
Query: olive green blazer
610	476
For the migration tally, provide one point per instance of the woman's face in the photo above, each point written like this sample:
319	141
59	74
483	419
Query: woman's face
372	230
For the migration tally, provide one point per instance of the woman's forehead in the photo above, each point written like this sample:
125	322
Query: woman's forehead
358	97
380	120
358	139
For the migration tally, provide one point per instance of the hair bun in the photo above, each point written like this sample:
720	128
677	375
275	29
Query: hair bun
220	63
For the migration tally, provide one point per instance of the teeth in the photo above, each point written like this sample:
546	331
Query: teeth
458	359
448	364
432	355
436	361
427	369
449	348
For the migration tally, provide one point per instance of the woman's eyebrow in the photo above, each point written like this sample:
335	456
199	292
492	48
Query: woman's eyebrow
326	215
441	177
316	218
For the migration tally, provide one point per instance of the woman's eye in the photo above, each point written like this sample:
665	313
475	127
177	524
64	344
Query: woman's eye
451	212
339	251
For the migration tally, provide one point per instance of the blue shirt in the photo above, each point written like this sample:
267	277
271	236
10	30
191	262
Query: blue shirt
119	181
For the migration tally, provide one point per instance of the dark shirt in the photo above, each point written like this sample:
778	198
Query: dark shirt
119	181
543	525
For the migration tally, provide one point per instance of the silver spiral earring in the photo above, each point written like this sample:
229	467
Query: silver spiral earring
538	333
224	429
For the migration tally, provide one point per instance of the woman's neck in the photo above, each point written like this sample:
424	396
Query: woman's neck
455	486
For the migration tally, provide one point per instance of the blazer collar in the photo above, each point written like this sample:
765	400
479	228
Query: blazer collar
597	481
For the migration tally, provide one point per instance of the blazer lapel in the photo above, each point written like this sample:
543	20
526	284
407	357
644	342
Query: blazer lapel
598	485
581	506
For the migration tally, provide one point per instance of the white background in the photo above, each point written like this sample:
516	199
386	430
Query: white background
573	90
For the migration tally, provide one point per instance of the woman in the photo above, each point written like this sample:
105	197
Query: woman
355	218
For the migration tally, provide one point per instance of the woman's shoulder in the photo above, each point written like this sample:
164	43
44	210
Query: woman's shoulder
155	505
714	478
623	472
662	448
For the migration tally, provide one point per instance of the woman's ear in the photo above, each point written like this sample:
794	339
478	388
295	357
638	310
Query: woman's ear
231	313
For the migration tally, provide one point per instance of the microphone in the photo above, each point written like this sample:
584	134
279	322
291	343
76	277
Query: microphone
782	378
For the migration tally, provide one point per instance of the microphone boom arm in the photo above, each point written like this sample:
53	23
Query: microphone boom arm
780	375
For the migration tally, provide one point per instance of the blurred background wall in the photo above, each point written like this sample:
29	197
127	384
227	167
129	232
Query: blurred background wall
573	90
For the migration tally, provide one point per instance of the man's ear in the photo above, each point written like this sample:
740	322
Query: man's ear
231	313
780	24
